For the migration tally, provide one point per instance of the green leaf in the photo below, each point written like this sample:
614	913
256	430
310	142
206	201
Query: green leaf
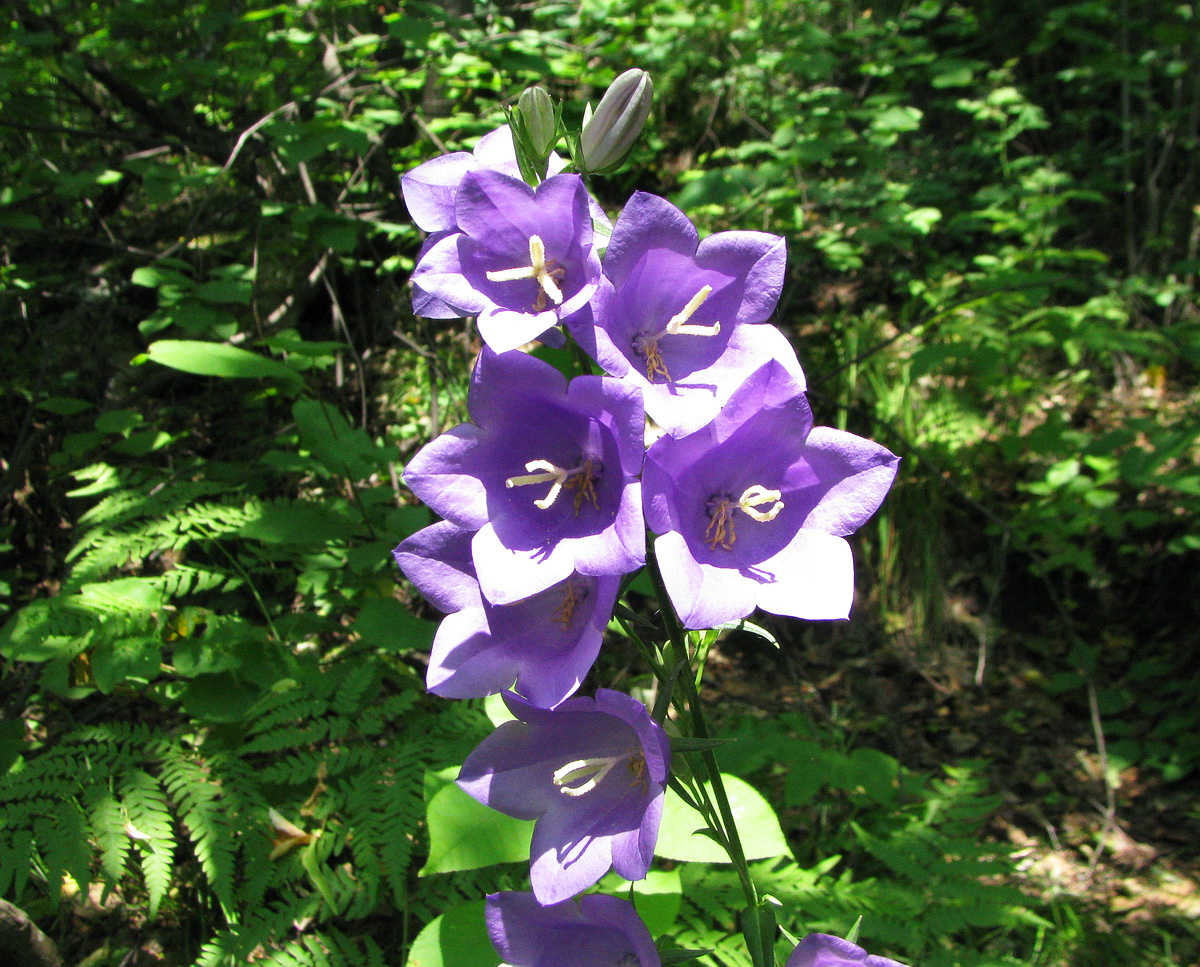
658	898
757	824
235	291
151	277
116	662
122	596
680	955
389	625
758	927
217	359
63	405
458	938
897	119
750	628
466	835
297	523
345	451
688	743
118	421
496	711
923	219
316	875
218	698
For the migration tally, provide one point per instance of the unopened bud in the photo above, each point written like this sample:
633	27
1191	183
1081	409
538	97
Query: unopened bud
609	134
536	111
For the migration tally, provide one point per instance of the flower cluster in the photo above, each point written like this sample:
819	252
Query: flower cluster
547	493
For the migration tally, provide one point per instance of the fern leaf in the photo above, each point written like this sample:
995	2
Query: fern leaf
108	827
349	697
16	860
146	807
205	816
63	843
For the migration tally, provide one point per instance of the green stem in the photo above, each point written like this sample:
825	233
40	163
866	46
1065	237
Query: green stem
262	605
733	842
645	649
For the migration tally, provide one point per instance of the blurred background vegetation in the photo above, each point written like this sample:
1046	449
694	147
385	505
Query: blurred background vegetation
213	380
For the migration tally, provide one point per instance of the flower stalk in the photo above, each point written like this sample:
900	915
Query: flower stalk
727	829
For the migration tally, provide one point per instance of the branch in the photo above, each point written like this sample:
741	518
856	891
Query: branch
22	944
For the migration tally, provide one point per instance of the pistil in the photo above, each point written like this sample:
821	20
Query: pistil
677	325
588	773
581	479
754	497
580	777
721	531
540	270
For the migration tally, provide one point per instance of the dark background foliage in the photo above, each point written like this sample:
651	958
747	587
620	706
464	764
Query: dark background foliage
993	219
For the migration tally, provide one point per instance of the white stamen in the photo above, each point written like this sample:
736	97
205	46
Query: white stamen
678	322
754	497
536	269
592	771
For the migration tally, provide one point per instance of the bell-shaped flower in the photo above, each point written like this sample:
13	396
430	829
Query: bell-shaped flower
676	320
544	644
546	474
592	772
753	508
594	931
522	258
823	950
430	189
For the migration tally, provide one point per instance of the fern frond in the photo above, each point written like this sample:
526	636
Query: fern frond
108	827
358	681
62	841
16	860
205	815
302	768
374	717
146	806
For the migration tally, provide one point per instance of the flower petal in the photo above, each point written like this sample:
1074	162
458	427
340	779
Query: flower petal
855	475
507	575
439	274
647	222
444	475
438	562
813	578
429	190
703	596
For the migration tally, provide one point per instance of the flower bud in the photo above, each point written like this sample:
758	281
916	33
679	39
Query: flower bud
609	134
536	111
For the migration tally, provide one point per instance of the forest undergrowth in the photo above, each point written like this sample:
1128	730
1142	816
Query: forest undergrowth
216	745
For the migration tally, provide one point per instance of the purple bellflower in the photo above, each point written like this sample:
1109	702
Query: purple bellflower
753	508
522	259
595	931
675	320
591	772
546	474
545	643
822	950
429	191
